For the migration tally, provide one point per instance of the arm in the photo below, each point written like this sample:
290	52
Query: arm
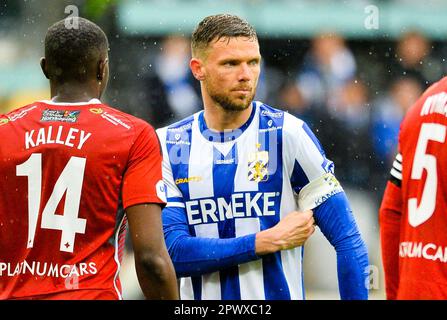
335	219
389	220
194	256
318	189
143	198
154	268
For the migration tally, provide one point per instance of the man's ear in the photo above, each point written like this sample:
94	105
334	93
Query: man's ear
101	71
43	66
197	69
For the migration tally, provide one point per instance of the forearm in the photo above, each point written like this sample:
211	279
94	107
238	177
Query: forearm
157	278
335	219
193	256
352	269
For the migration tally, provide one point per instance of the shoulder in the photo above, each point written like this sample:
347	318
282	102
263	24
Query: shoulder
19	114
123	118
292	127
179	128
22	111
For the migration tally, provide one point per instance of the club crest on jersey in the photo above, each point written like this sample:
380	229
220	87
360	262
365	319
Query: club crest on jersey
60	115
258	166
96	110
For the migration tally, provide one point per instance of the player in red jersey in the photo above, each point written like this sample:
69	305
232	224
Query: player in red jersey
413	220
67	166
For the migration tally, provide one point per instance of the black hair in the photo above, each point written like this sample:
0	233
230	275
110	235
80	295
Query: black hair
73	49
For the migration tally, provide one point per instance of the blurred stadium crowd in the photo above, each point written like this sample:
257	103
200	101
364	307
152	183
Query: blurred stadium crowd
353	93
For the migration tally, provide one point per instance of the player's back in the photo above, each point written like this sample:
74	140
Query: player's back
61	175
423	241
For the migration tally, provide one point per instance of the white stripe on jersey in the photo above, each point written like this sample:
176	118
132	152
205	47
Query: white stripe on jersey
310	157
210	282
200	165
397	166
396	171
175	204
250	274
396	174
118	264
171	189
248	146
186	290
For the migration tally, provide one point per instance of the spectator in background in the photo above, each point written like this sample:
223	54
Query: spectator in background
387	115
343	130
172	91
327	67
349	134
414	58
290	99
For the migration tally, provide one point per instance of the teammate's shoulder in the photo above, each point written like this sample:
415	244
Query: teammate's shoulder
440	85
3	119
18	113
119	117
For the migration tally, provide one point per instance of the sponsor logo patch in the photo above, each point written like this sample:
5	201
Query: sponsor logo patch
49	115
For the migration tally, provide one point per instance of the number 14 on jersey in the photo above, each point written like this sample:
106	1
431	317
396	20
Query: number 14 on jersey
69	182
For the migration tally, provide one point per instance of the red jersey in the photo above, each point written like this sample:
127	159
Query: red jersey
413	212
66	172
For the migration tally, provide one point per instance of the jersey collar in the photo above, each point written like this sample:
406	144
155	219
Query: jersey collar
92	101
225	136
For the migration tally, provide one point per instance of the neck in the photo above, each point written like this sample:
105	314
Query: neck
74	92
219	119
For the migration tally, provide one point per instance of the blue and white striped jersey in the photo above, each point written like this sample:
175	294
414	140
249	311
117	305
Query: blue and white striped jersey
237	183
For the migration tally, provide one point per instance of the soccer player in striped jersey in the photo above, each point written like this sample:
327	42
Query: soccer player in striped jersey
413	220
67	166
243	180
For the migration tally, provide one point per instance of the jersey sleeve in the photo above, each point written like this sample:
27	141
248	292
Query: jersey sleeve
142	181
312	176
390	214
174	197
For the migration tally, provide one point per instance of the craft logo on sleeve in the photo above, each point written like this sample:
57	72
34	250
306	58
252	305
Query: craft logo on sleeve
60	115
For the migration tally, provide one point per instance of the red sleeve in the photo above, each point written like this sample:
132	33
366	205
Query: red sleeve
142	181
389	221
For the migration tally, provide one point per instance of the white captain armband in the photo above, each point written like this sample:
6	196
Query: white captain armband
318	191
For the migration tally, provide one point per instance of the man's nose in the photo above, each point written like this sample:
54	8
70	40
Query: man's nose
245	73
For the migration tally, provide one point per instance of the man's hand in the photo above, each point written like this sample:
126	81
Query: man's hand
292	231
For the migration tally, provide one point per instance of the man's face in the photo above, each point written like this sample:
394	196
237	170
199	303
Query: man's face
232	67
